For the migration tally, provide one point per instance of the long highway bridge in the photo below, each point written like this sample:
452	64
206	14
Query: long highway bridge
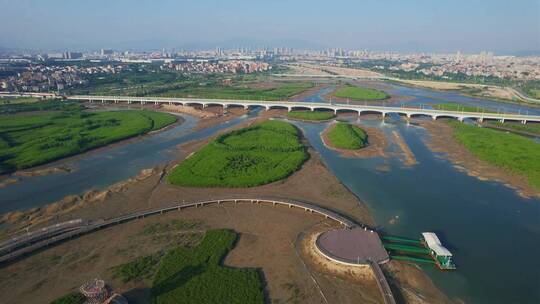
294	105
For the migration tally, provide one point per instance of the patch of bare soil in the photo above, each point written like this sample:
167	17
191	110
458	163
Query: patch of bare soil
188	110
377	143
219	115
410	284
442	140
43	171
339	283
4	182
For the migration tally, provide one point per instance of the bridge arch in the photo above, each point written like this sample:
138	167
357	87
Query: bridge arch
301	108
414	115
347	111
435	117
274	106
233	105
323	108
367	112
253	106
193	103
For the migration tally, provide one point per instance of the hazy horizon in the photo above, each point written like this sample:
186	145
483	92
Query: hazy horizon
411	26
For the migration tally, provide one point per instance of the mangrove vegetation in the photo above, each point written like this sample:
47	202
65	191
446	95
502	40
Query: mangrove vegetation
252	156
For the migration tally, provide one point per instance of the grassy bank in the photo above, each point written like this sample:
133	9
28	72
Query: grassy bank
347	136
311	115
257	155
460	108
31	139
15	100
195	275
281	91
531	128
513	152
42	105
359	93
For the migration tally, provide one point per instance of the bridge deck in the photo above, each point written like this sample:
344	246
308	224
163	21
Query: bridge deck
409	112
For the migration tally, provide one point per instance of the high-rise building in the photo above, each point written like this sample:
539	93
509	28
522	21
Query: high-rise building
105	52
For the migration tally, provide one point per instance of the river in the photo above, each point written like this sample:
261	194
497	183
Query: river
101	168
493	232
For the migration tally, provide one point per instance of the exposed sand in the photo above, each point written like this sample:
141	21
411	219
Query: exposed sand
409	159
188	110
487	90
4	182
302	69
337	71
442	140
43	171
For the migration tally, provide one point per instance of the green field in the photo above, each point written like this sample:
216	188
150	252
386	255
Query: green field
513	152
257	155
195	275
15	100
282	91
359	93
460	108
311	115
531	127
31	139
44	105
535	93
347	136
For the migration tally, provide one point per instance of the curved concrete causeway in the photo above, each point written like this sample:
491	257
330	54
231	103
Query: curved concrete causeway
28	243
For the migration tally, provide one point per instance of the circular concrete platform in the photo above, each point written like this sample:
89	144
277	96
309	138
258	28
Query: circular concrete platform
352	246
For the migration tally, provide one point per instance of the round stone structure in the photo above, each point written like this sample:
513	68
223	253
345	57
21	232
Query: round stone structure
355	246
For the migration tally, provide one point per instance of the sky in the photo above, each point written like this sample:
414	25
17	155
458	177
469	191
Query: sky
469	26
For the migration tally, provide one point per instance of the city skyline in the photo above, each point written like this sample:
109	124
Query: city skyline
415	26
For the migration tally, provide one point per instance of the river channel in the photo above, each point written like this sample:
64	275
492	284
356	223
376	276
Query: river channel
493	232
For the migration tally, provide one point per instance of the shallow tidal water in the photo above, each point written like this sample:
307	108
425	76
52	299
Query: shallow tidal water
493	232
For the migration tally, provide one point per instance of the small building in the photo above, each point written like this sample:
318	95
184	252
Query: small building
441	255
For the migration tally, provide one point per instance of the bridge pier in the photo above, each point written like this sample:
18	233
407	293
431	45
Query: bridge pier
460	119
501	121
524	122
